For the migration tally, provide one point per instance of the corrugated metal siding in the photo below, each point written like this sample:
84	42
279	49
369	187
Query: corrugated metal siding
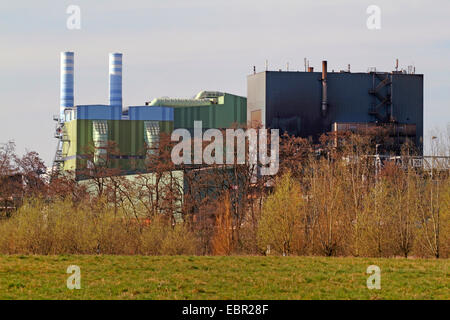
293	100
70	147
150	113
293	95
230	109
407	99
128	135
99	112
349	98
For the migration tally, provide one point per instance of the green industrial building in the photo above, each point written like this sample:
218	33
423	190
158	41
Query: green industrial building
89	132
131	139
118	137
215	110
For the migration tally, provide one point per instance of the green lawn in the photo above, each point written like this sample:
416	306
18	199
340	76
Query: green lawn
182	277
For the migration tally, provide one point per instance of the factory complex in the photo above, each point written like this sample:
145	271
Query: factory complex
304	104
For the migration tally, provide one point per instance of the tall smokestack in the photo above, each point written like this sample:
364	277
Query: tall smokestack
115	79
324	88
66	82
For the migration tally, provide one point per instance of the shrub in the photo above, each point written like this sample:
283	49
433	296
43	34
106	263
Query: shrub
279	226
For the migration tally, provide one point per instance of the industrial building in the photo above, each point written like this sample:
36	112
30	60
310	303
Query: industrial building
214	109
93	128
305	104
308	104
85	131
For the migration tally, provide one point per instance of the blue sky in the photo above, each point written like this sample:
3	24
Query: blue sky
178	47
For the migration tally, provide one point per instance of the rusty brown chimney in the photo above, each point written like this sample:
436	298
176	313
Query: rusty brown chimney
324	88
310	69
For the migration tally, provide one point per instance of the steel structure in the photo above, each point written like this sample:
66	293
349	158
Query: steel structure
66	101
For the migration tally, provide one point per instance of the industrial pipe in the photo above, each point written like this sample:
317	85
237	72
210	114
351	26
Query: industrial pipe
324	89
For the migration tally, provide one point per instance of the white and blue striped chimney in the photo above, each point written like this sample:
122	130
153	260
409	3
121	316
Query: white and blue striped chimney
67	71
115	79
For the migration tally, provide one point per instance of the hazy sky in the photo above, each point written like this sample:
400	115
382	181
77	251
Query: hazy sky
179	47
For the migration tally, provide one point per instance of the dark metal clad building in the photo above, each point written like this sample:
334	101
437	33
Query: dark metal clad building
308	104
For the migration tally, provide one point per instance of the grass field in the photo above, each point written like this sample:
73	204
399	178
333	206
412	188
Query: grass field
182	277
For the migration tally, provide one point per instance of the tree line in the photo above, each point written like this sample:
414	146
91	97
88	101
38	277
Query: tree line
330	198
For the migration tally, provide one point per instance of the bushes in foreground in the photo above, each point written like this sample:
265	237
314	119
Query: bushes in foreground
401	214
326	212
61	228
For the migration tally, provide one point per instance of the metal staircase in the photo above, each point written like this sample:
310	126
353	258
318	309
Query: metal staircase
382	108
60	155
